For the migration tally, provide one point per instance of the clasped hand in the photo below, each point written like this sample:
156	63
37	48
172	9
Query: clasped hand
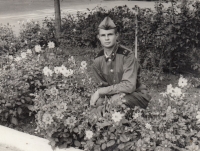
94	98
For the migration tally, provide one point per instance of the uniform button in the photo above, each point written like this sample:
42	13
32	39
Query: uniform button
111	70
109	60
113	80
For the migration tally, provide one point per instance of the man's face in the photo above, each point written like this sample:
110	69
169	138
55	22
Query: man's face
108	38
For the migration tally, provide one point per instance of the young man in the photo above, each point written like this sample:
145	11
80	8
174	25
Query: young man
116	69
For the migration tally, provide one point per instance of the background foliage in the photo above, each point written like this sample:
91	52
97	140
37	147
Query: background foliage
168	37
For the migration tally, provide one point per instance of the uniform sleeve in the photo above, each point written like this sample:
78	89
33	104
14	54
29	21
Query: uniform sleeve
98	75
129	78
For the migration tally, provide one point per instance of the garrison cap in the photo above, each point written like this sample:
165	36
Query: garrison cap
107	24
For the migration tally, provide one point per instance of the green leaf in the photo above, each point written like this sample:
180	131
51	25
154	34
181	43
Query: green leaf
30	107
28	99
123	138
8	104
103	146
69	141
124	121
53	143
112	129
19	110
76	130
77	143
112	136
110	143
104	124
121	146
14	121
198	134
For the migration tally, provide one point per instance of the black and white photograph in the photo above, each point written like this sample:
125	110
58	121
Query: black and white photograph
99	75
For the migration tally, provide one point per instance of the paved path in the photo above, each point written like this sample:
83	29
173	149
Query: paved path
13	140
8	148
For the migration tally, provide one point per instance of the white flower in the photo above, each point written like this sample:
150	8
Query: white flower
38	48
47	118
29	51
39	33
71	71
117	116
176	92
164	94
84	64
148	126
12	65
83	80
18	59
193	147
182	82
23	55
59	114
19	22
169	89
136	115
28	20
89	134
26	42
71	59
47	71
65	73
57	70
198	117
83	68
54	91
63	69
74	30
51	45
10	57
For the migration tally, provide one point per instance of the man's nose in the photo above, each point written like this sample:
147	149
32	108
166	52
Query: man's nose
107	37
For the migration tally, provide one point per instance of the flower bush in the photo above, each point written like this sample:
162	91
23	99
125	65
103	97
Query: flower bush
172	123
60	105
56	89
20	76
23	74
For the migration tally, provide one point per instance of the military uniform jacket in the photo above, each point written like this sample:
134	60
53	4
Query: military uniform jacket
118	73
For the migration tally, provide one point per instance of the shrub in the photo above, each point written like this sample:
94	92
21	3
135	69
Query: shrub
65	118
60	106
8	42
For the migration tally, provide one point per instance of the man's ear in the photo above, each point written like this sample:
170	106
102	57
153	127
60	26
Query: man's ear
117	34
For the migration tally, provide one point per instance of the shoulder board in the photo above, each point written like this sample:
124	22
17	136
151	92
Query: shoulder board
123	50
101	53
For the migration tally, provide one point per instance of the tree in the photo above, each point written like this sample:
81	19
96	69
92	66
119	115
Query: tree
57	17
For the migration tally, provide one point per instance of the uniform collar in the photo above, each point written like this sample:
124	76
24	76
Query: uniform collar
112	55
